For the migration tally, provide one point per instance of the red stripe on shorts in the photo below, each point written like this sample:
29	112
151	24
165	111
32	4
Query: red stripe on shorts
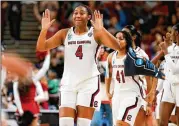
129	108
95	93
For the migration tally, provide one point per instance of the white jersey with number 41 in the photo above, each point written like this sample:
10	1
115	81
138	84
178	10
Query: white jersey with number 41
120	81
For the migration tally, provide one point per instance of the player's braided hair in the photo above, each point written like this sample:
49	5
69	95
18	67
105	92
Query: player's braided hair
133	31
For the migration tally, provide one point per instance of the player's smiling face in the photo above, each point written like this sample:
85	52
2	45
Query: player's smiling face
80	16
121	40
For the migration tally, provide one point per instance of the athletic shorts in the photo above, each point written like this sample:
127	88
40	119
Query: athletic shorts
171	93
125	106
86	93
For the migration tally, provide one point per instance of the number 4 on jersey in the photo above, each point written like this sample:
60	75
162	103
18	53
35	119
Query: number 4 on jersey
79	52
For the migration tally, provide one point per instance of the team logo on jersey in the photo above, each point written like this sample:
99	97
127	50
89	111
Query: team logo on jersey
96	104
129	117
90	34
69	36
113	61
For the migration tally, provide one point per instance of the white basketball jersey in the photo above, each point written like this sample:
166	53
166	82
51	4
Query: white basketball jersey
80	62
160	81
120	81
171	47
174	54
141	53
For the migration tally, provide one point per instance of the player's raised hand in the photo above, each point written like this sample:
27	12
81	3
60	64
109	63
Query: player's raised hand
163	46
98	20
167	38
46	21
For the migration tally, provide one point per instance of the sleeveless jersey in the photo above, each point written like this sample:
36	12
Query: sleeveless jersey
80	62
171	47
120	81
173	51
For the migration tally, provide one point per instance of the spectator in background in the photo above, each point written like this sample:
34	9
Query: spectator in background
4	6
154	48
177	12
45	58
53	89
57	61
40	7
7	92
160	9
122	21
53	6
172	21
14	17
160	25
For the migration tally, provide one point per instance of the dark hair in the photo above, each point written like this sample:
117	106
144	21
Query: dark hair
176	27
138	39
133	31
24	86
127	37
89	11
26	119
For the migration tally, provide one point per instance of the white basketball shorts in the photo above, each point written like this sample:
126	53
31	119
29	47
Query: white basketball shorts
86	93
125	106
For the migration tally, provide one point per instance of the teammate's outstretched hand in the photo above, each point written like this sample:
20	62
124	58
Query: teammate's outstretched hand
167	38
98	20
163	46
46	22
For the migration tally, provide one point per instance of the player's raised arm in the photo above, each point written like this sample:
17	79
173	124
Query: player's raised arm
161	53
54	41
101	34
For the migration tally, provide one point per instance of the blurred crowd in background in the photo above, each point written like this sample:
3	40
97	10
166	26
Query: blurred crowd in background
151	18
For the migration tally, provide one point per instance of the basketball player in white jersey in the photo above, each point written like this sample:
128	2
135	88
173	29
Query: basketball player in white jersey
144	82
159	88
170	96
136	40
126	100
80	81
159	93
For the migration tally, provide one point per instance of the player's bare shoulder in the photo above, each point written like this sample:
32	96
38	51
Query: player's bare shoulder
110	57
64	32
61	34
